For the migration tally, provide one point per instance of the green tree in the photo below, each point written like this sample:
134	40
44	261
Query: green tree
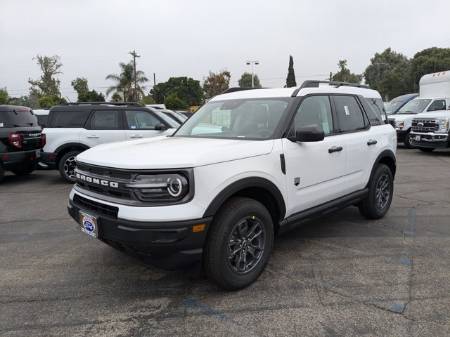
47	84
4	97
389	73
116	97
290	79
428	61
148	99
215	84
174	102
345	75
47	102
80	84
246	81
124	82
185	88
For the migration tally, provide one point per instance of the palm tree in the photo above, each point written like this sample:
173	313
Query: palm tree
124	85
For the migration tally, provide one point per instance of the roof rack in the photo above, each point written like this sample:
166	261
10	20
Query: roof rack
337	84
103	103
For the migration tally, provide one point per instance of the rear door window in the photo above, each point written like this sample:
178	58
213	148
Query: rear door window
349	114
106	120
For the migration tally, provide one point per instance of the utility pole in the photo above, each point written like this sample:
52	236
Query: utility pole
134	54
253	63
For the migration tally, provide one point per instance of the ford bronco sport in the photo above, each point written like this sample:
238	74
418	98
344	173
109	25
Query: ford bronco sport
21	140
247	166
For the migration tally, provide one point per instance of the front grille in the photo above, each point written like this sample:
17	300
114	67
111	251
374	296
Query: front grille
424	125
96	207
104	172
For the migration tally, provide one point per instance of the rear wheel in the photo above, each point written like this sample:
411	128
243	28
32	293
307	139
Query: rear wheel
239	243
381	190
66	166
407	141
25	169
426	149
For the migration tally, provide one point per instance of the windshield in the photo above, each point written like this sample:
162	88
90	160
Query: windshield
415	106
393	106
236	119
18	118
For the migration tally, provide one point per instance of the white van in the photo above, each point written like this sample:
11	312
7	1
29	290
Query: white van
434	95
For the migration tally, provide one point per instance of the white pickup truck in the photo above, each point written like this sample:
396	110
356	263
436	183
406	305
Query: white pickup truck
434	95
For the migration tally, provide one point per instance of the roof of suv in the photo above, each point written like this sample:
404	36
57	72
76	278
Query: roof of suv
5	107
97	106
308	87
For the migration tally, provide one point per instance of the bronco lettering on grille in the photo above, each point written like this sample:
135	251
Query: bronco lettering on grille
97	181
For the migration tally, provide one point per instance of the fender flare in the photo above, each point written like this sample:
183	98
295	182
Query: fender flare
243	184
65	146
384	154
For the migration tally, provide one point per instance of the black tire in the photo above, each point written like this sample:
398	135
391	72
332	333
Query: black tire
235	221
2	173
407	141
378	201
24	170
66	165
426	149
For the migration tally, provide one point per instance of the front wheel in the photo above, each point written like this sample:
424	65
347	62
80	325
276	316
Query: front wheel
407	141
239	243
66	166
381	191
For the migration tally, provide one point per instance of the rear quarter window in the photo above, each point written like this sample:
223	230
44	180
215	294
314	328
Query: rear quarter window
68	118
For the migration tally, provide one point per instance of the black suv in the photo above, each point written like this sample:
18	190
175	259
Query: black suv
21	140
76	127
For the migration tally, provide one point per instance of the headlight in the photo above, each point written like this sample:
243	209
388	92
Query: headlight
400	125
160	188
443	125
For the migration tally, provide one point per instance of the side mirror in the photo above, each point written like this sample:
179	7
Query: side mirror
160	127
308	134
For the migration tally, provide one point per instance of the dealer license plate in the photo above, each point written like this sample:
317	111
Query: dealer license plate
88	224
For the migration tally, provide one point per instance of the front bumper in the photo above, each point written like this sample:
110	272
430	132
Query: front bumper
168	244
11	160
430	140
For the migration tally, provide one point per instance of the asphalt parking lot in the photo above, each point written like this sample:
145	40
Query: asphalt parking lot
337	276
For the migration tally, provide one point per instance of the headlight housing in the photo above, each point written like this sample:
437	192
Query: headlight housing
162	188
443	125
400	124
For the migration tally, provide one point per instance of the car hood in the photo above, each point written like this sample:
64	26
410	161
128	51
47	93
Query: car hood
435	114
403	117
173	152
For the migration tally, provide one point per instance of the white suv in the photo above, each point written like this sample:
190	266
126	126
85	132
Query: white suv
76	127
245	167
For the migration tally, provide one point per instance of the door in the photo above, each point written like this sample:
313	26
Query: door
104	126
142	124
358	139
314	170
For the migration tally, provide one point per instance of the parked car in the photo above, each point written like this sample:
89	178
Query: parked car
434	95
178	117
21	140
394	105
431	131
186	113
267	160
76	127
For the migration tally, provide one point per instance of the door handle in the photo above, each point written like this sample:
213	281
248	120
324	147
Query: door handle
372	142
136	136
93	137
335	149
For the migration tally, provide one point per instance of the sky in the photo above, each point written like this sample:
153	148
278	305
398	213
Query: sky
191	38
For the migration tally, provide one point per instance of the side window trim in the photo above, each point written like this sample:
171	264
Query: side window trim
334	130
366	120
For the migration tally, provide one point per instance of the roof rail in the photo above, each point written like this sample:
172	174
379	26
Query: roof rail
103	103
233	89
337	84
